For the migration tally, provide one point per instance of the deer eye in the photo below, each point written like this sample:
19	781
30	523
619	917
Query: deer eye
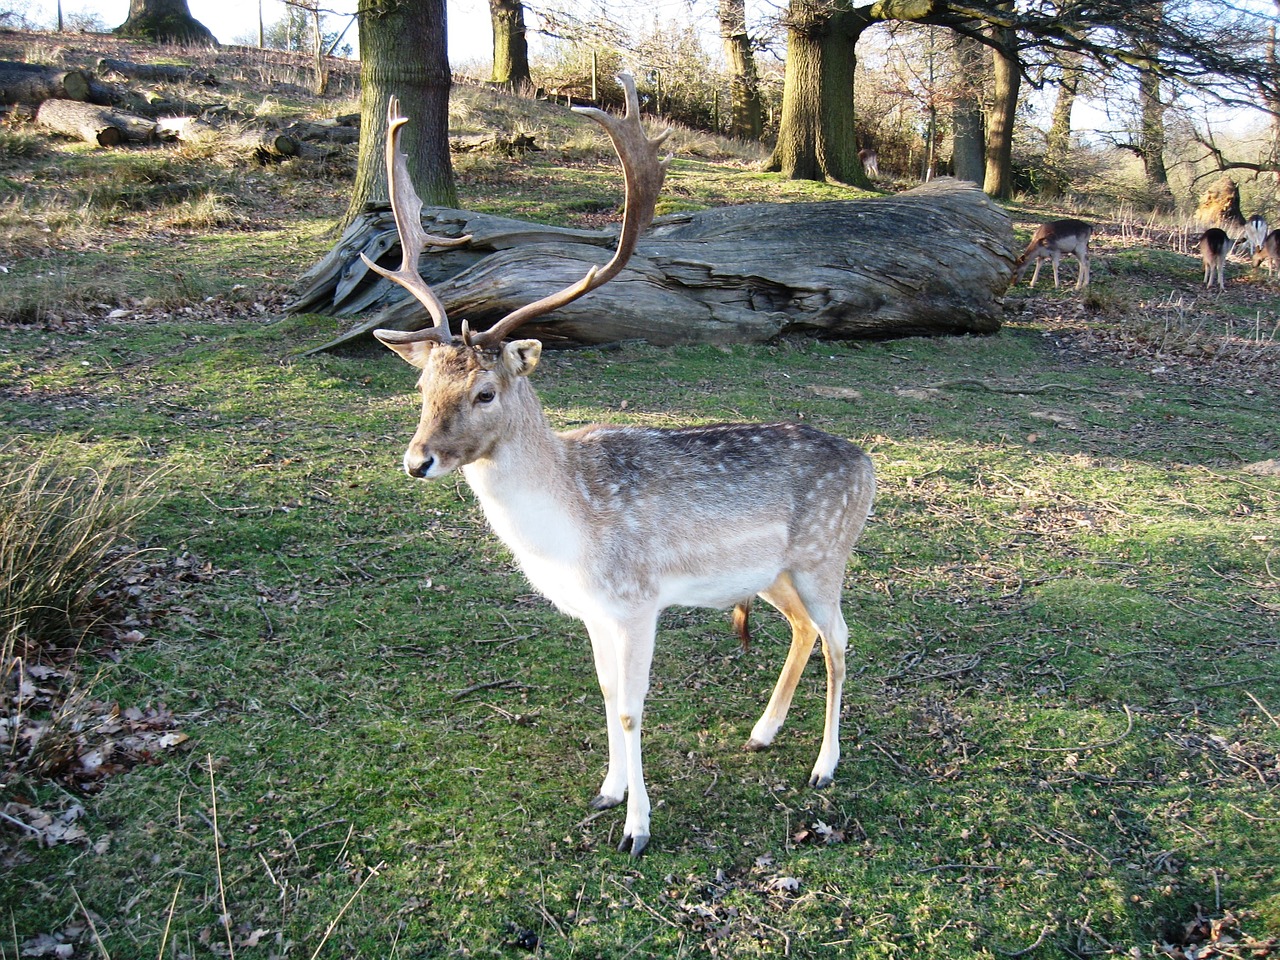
485	396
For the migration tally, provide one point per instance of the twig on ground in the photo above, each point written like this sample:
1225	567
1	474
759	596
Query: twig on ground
1088	746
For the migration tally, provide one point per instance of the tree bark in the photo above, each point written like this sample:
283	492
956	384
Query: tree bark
1006	76
510	44
1058	143
403	53
968	147
94	124
746	117
933	260
165	21
31	83
816	139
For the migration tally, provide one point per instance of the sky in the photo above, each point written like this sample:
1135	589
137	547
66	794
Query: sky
470	37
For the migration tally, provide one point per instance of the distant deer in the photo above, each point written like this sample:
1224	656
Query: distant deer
1053	241
1269	252
870	162
1255	233
1214	246
614	523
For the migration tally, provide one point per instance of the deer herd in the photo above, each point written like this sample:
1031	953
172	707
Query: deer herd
1052	241
613	524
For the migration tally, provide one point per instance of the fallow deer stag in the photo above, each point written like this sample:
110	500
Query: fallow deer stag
613	524
1053	241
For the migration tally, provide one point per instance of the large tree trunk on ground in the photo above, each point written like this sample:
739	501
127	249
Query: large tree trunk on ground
934	260
165	21
31	83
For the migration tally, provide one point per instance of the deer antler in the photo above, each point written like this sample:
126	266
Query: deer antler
643	173
406	208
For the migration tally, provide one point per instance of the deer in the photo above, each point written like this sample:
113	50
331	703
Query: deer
1213	247
1255	234
613	524
1053	241
870	161
1268	252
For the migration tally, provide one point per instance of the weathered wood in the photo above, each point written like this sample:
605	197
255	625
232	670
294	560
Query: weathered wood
32	83
94	124
934	260
155	72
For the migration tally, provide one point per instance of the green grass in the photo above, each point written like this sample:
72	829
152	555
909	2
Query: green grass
1050	727
1061	728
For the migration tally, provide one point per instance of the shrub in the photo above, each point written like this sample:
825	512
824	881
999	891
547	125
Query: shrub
61	533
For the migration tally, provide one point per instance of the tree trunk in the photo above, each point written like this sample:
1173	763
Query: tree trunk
1005	79
510	45
94	124
816	138
31	83
165	21
968	148
746	118
1058	143
403	53
933	260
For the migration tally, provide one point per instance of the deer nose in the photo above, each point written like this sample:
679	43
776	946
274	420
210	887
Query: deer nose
420	470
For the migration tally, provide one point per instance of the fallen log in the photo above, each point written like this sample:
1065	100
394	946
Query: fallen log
933	260
94	124
32	83
155	72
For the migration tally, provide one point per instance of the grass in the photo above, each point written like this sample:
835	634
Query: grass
1061	731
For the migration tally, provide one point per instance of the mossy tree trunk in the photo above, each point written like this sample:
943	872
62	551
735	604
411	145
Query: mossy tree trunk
746	116
1058	142
165	21
1006	77
404	53
510	45
816	138
968	146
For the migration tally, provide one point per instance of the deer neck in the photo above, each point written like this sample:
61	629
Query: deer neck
524	487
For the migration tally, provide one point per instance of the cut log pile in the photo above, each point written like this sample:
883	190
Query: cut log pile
122	104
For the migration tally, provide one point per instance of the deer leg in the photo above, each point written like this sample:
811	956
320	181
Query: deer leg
1056	257
634	658
782	595
604	642
1035	274
822	600
1082	280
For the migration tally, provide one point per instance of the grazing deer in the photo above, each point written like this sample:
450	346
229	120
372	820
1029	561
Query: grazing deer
1054	241
1214	246
870	161
613	524
1269	252
1255	234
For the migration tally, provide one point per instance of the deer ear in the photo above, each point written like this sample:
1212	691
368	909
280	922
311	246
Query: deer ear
521	356
413	352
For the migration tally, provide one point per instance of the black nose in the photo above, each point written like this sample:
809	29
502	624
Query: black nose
422	469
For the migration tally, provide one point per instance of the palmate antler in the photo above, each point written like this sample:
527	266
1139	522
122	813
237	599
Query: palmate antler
643	172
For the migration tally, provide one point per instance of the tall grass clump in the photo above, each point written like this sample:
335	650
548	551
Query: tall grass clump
63	530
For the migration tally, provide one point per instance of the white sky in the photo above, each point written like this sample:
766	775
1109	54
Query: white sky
470	36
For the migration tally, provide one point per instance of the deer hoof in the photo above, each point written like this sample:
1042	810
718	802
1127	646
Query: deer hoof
601	802
635	845
755	746
818	781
